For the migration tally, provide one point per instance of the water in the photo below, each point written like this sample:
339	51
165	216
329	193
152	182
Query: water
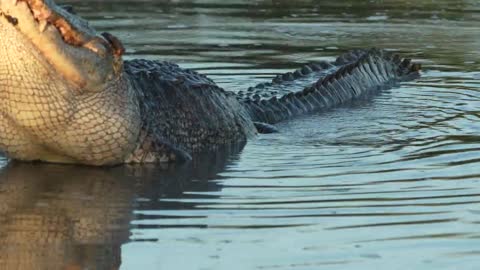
388	183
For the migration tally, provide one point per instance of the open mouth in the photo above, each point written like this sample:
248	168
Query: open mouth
66	42
73	30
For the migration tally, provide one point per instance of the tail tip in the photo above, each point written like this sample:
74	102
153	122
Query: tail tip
415	67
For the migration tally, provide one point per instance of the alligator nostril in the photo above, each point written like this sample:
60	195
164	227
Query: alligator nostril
10	19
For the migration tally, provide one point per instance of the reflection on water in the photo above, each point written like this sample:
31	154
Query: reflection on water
69	217
391	181
55	216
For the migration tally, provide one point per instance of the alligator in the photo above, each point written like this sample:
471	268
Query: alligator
67	95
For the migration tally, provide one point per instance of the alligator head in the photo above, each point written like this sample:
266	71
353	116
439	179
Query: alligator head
63	93
66	41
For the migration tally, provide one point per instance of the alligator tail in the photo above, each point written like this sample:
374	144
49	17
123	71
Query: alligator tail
329	84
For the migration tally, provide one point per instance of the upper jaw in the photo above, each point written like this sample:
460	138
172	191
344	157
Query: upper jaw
66	41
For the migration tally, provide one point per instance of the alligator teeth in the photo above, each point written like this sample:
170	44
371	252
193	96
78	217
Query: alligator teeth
42	25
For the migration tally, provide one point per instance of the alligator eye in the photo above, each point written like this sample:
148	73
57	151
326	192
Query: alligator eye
116	44
68	9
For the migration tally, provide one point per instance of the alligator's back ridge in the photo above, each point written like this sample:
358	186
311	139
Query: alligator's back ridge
184	109
184	112
323	85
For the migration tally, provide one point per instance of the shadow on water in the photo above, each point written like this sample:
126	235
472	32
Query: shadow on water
72	217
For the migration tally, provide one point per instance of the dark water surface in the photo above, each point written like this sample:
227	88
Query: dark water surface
389	183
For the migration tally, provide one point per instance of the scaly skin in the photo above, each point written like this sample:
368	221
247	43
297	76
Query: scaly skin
66	95
51	112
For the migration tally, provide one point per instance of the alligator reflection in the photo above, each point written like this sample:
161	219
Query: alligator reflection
67	217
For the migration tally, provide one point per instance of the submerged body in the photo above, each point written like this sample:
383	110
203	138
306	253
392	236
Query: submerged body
67	96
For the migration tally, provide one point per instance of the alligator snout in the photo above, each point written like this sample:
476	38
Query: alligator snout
73	30
66	41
